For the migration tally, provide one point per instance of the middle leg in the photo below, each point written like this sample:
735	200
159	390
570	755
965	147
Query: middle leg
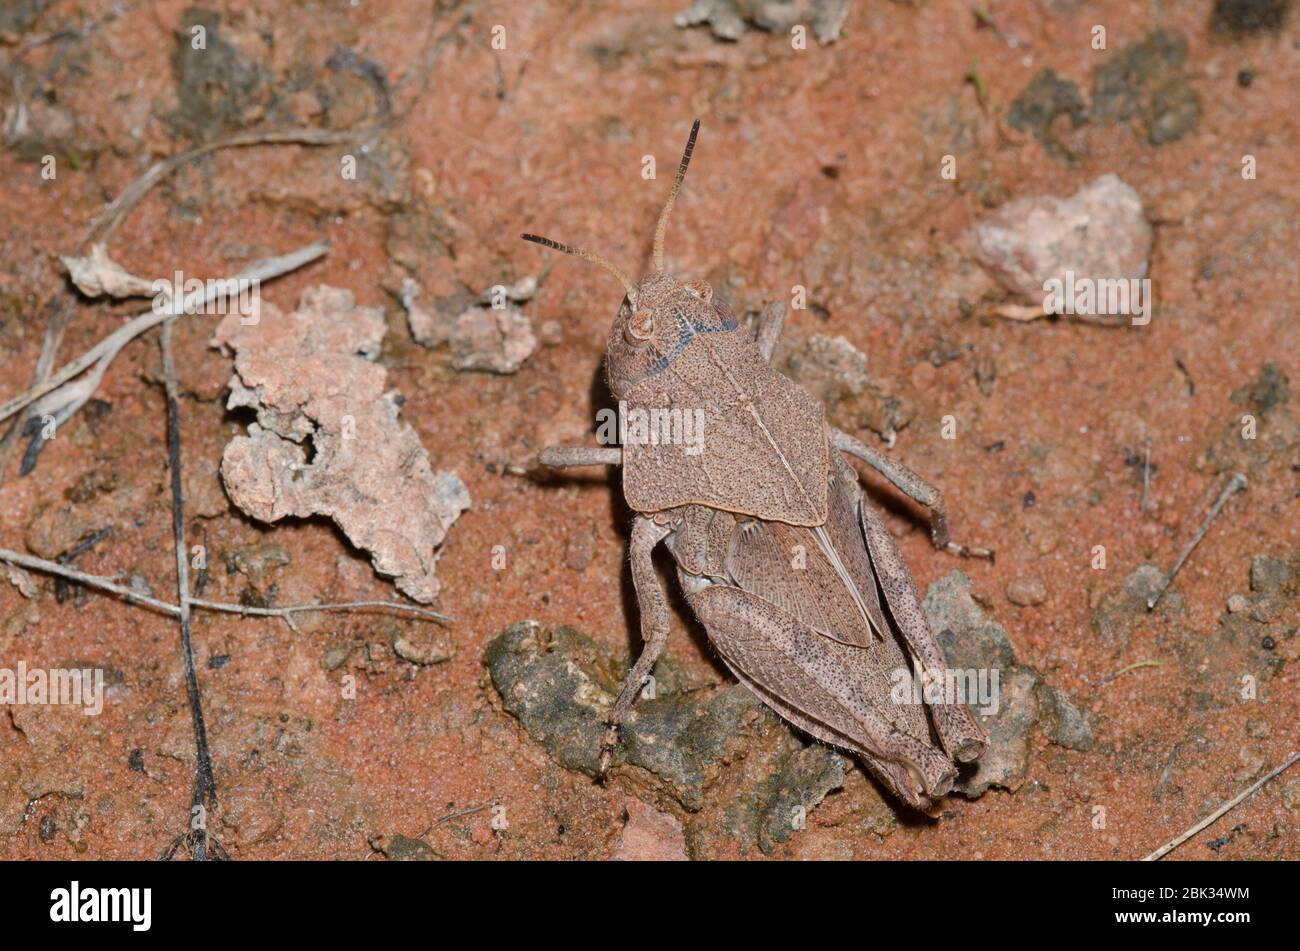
911	485
770	323
652	604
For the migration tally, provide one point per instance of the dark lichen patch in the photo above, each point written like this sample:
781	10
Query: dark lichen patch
805	779
1021	699
220	89
1046	99
401	848
553	681
1241	17
714	753
19	16
1269	390
1263	430
1173	110
1124	607
1146	82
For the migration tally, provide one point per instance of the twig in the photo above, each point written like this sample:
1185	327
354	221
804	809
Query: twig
454	815
107	221
205	783
1121	672
1217	813
1237	483
102	353
287	612
166	607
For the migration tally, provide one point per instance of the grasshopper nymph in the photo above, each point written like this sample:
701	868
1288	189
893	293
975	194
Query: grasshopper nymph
780	554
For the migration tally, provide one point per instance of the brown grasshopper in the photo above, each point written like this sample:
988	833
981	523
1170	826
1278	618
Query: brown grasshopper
780	554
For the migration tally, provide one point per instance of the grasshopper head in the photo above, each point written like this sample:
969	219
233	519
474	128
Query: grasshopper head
660	314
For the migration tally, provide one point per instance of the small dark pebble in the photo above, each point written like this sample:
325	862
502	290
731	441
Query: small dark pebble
47	828
944	354
1220	842
1268	643
217	661
996	446
1240	17
136	760
1029	500
1245	78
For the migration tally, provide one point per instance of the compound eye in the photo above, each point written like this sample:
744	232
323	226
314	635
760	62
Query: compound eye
700	289
641	326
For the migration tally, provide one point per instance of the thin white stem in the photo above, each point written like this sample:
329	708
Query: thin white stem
1218	813
97	581
109	347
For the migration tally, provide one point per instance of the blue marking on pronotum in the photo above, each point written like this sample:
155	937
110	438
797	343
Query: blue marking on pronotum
689	331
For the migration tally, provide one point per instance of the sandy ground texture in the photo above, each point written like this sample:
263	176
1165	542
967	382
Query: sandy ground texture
854	170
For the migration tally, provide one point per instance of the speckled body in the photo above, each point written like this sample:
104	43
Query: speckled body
780	554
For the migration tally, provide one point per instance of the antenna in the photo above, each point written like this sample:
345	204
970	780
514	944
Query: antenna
662	227
585	255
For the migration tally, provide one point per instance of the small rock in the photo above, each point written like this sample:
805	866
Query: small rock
1266	608
1270	575
578	549
255	559
1238	603
425	648
400	848
1026	592
729	20
1072	729
335	657
650	836
972	642
551	333
968	638
835	372
1100	232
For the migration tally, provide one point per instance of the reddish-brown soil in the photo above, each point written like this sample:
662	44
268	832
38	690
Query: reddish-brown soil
817	167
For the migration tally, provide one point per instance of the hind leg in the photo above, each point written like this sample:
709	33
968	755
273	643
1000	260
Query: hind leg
959	733
652	604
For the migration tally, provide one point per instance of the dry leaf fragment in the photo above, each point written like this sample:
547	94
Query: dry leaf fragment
97	274
488	333
328	440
